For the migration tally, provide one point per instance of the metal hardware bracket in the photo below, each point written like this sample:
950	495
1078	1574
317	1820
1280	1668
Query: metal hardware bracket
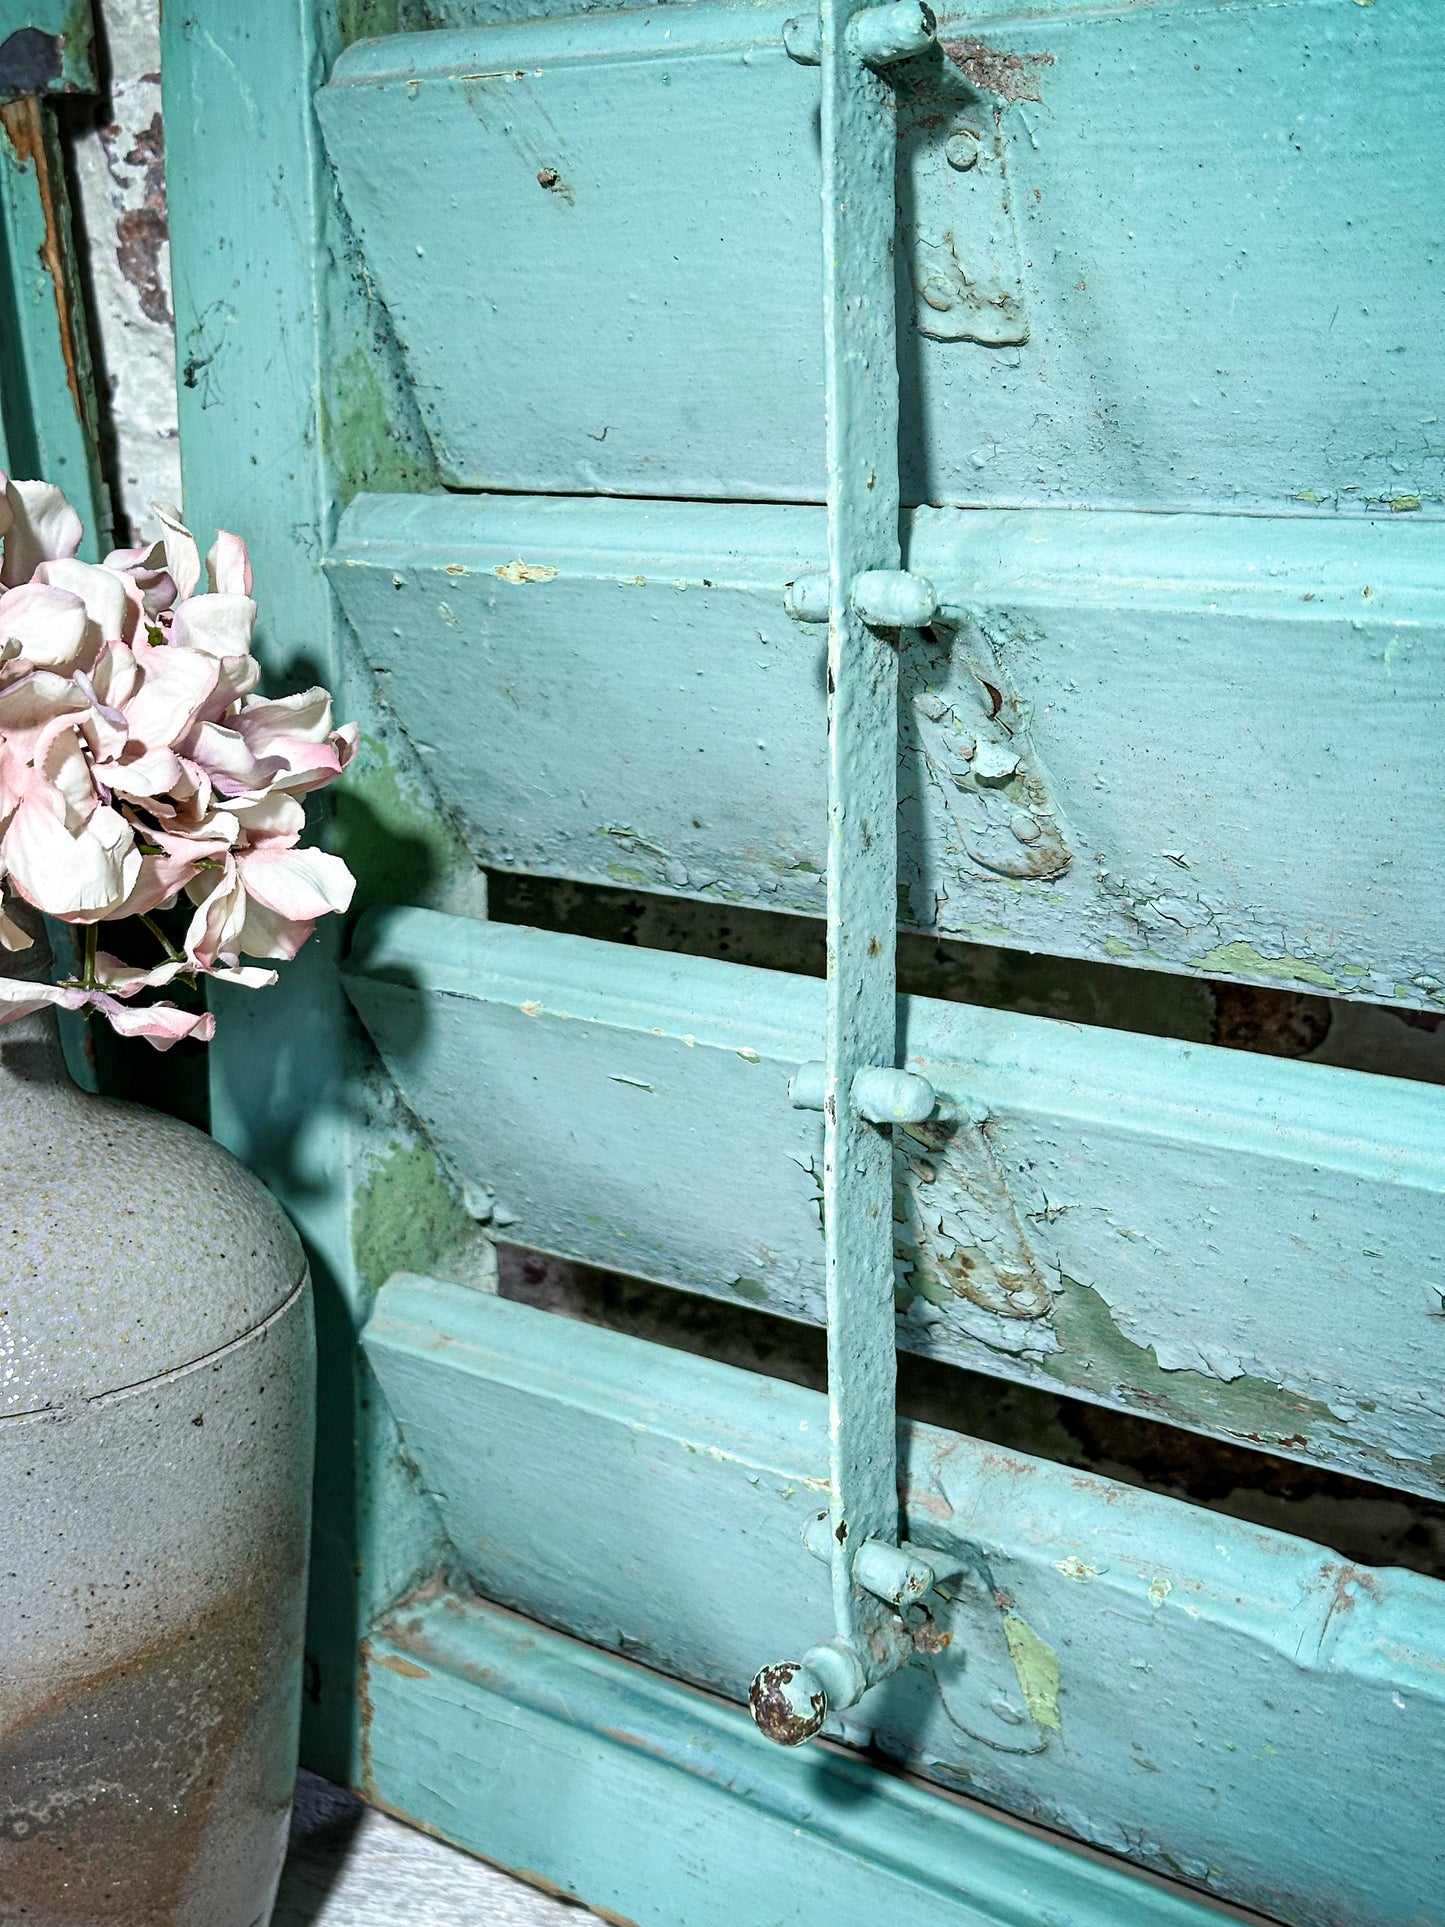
867	599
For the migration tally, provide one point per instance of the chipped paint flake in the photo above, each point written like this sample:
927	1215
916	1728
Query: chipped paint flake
1159	1589
520	571
531	1008
1075	1568
1037	1666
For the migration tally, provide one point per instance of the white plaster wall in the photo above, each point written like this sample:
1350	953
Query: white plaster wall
120	178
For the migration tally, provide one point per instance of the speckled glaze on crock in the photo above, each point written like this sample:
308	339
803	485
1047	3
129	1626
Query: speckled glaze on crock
156	1397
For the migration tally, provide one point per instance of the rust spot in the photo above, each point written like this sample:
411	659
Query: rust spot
107	1789
143	231
24	125
997	70
557	184
772	1706
367	1713
394	1663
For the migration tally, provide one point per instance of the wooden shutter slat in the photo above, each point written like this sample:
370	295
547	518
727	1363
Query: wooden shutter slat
1245	1246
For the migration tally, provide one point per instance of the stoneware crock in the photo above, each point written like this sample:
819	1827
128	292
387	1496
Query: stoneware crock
156	1397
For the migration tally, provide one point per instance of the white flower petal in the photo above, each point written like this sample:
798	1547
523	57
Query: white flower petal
183	558
48	622
103	592
220	625
43	527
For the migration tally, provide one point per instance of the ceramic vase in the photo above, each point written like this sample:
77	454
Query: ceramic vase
156	1404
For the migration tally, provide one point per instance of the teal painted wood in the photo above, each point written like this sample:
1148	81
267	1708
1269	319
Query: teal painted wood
48	422
1215	732
683	140
1243	1245
1218	1701
276	427
664	1807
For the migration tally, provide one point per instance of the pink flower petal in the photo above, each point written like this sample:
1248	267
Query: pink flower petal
175	683
19	998
220	916
77	877
12	936
296	883
264	934
158	881
276	819
152	773
124	980
160	1024
269	725
33	702
228	567
229	761
247	976
219	625
144	568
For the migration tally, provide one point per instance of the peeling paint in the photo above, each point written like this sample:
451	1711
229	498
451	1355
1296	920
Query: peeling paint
360	434
998	70
407	1217
1037	1666
520	571
1096	1357
1243	960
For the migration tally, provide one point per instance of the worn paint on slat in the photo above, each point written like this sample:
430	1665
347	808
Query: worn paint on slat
1234	336
1213	749
1247	1246
1219	1701
660	1805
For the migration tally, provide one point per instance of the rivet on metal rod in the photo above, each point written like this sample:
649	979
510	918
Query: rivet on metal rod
882	35
894	599
806	1087
892	1097
803	40
807	597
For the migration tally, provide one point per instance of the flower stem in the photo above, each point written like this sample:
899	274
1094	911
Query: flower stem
172	954
91	933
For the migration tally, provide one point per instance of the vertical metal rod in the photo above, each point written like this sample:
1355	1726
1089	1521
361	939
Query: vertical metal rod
868	600
861	374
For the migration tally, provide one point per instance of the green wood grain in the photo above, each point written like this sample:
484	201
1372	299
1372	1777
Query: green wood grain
1244	1245
1222	1702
